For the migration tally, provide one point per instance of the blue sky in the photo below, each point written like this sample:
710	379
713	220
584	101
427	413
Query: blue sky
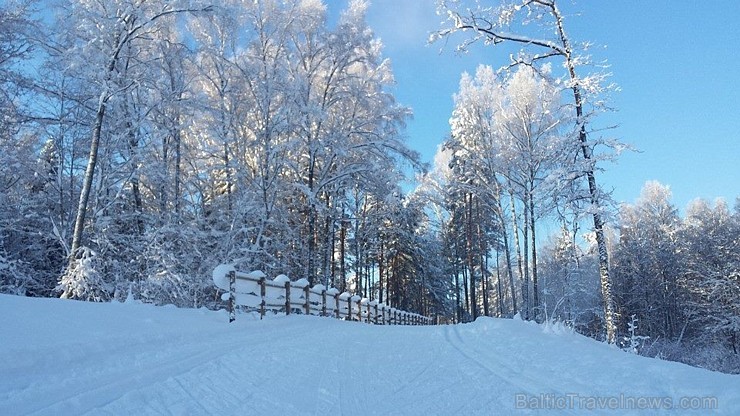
676	64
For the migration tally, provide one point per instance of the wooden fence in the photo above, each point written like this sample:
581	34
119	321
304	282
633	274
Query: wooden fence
255	291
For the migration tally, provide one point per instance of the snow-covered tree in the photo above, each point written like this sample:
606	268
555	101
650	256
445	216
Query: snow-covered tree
508	151
106	44
710	255
647	266
539	27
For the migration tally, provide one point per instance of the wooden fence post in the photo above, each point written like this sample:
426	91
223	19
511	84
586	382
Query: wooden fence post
359	310
287	298
336	305
376	314
349	308
323	302
232	296
263	292
307	305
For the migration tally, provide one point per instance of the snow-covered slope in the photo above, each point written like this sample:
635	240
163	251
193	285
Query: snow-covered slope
67	358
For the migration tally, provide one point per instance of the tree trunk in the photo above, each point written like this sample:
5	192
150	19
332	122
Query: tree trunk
471	265
606	284
87	181
227	168
466	293
500	291
133	143
483	253
535	285
507	250
517	247
178	174
525	286
310	268
458	304
380	273
342	273
328	267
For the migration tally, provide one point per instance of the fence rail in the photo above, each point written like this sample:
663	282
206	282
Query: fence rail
254	290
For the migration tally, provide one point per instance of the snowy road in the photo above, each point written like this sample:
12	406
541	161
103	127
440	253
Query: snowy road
69	358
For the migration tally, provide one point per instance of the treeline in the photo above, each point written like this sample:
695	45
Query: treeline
676	279
680	276
510	166
144	143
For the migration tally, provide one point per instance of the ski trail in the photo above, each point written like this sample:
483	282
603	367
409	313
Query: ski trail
98	389
487	367
63	358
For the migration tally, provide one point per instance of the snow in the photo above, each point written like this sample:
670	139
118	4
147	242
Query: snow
301	283
68	357
256	274
281	279
221	275
318	287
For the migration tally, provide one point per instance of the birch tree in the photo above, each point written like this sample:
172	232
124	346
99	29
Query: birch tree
101	35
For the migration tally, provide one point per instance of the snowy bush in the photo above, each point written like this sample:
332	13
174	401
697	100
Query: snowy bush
83	281
13	279
706	352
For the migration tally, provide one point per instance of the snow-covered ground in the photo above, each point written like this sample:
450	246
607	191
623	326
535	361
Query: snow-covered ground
62	357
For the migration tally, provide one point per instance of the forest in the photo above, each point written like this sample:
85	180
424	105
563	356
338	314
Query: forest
143	143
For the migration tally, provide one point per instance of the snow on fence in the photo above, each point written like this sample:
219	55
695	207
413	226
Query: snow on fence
255	291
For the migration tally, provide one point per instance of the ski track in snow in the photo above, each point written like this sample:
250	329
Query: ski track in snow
73	358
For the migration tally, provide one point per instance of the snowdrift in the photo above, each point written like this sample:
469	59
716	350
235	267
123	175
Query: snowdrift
60	357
